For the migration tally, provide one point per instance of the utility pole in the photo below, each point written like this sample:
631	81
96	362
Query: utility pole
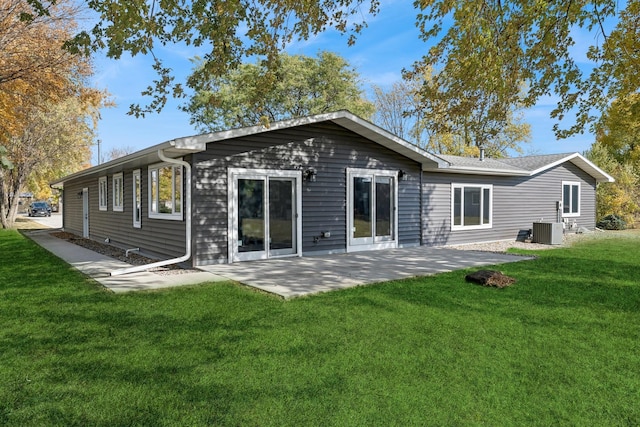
99	141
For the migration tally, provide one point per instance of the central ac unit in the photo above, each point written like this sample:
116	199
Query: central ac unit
548	233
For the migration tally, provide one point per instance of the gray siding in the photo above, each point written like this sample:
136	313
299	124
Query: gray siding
328	148
517	203
156	237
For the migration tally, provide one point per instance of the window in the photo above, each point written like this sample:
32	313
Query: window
471	206
137	199
165	192
102	193
570	198
118	197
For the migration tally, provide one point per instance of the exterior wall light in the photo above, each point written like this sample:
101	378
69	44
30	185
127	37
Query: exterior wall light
309	175
402	175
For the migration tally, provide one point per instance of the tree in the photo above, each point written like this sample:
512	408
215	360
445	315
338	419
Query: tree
301	86
435	128
619	197
394	111
617	151
55	142
231	31
47	112
5	162
498	45
117	152
619	130
494	46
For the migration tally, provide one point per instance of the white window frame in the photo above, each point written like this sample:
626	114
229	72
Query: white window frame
103	193
482	187
372	243
569	203
117	181
153	209
137	198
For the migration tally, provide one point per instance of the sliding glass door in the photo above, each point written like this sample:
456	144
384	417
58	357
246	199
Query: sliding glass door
372	218
264	214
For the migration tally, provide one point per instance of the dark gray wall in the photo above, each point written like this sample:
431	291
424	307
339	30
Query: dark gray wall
328	148
156	237
517	203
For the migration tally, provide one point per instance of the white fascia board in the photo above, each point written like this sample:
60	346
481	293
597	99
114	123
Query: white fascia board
176	151
343	118
480	171
583	163
198	140
367	129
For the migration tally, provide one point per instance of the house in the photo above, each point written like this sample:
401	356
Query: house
329	183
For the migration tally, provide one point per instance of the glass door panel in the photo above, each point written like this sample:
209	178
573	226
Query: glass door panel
251	219
384	206
372	210
281	216
362	215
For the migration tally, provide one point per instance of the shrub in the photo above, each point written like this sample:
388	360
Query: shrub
612	222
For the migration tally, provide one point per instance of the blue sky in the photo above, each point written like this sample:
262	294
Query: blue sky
389	44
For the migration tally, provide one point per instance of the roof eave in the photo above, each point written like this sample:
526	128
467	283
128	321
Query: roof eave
480	171
170	148
583	163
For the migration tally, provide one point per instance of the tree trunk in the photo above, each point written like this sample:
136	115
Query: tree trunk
11	189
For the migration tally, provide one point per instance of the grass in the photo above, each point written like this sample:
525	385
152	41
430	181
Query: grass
560	347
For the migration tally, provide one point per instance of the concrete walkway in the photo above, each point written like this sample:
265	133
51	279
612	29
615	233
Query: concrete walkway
99	267
287	277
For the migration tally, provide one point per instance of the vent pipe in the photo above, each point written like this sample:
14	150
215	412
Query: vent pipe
481	154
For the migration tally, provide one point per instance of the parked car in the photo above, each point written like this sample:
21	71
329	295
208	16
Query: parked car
39	209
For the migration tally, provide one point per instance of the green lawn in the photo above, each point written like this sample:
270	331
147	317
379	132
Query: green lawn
560	347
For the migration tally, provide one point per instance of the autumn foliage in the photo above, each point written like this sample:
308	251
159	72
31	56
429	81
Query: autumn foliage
47	110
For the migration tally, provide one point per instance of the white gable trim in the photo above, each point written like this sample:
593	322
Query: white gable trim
583	163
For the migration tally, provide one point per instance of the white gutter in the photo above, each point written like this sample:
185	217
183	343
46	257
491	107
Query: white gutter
187	212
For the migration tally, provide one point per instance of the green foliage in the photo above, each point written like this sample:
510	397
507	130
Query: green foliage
612	222
5	163
485	51
617	151
231	31
298	87
401	111
560	347
618	130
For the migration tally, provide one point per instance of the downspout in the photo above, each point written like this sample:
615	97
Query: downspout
187	212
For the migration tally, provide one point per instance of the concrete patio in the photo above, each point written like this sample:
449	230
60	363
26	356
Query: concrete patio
286	277
294	277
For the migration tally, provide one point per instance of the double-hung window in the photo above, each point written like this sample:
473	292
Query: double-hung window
102	193
117	188
570	198
165	191
471	206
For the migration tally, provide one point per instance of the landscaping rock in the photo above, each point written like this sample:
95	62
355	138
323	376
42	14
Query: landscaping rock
490	278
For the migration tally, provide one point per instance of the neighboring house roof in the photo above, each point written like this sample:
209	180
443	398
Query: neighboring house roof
520	166
523	166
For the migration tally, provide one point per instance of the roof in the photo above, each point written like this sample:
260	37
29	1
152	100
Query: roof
191	144
520	166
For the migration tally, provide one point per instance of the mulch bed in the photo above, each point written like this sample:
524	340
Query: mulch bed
119	253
